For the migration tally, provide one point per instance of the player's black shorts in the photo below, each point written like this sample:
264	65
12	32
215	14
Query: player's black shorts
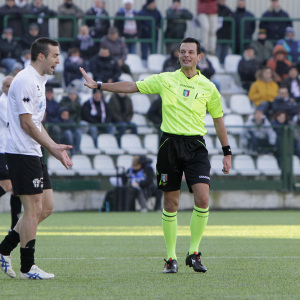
3	168
28	174
178	154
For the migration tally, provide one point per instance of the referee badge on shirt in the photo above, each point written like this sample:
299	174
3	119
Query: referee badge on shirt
186	93
164	178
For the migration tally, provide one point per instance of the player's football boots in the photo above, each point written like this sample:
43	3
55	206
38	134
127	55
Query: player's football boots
194	261
171	266
5	263
36	273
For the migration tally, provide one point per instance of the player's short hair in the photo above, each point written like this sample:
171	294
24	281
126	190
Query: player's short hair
191	40
41	45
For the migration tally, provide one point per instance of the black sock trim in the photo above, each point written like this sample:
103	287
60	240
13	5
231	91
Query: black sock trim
201	212
169	216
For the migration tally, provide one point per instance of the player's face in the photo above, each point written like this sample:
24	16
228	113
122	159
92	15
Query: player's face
188	56
51	61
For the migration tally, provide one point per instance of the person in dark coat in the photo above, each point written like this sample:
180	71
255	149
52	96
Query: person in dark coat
149	10
154	113
128	29
96	111
105	68
43	13
225	30
247	67
30	36
176	22
292	82
171	64
98	26
249	27
275	29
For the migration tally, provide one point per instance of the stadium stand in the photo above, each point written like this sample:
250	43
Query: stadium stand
108	144
155	62
87	145
244	165
132	144
140	103
56	168
216	162
241	104
151	143
82	165
268	165
209	142
104	165
135	64
234	123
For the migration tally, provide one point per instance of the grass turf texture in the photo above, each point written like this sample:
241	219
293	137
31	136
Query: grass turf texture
249	255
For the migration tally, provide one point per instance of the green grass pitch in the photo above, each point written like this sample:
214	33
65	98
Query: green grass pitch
249	255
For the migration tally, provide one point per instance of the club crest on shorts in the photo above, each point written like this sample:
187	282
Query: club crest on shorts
164	178
38	182
186	93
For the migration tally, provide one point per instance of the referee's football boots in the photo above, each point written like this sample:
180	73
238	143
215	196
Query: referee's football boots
171	266
194	261
5	264
36	273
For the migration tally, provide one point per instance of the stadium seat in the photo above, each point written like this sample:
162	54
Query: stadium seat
142	125
104	165
131	143
124	162
60	67
234	123
267	164
244	165
209	124
84	97
233	144
228	84
140	103
151	143
215	63
226	109
125	77
56	167
108	144
87	145
240	104
216	162
296	165
231	63
154	161
155	62
135	64
143	76
82	165
210	145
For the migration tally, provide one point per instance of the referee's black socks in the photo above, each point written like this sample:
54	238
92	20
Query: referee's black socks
27	256
9	243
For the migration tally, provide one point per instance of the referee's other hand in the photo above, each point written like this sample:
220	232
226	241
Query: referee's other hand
226	164
59	151
90	83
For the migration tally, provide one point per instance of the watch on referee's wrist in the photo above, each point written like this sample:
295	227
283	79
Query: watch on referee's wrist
226	150
99	84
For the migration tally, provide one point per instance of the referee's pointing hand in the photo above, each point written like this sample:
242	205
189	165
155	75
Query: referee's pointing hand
90	83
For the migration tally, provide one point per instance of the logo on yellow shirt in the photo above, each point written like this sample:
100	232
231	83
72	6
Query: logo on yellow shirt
186	93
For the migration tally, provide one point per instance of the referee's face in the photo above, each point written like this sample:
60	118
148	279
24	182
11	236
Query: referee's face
51	61
188	57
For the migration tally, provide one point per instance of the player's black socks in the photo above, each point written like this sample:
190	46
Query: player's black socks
15	209
27	256
2	191
9	243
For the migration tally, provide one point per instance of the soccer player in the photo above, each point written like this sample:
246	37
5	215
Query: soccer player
5	183
186	96
27	170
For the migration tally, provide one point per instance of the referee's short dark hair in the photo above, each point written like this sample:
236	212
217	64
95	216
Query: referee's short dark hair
41	45
191	40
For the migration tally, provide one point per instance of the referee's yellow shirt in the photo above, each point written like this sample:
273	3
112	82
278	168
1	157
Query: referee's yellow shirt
184	101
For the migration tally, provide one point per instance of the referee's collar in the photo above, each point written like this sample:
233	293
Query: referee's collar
198	74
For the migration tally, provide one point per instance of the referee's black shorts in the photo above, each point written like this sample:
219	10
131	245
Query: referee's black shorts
178	154
28	174
3	168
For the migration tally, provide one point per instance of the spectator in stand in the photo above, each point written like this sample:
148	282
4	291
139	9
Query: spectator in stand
22	4
291	45
15	21
72	103
121	109
98	26
25	58
43	13
17	67
149	10
29	37
176	23
283	102
85	43
117	48
249	27
296	124
247	68
171	64
279	63
154	113
293	83
52	114
275	29
72	64
128	29
95	112
71	134
104	67
258	136
208	18
224	30
9	49
66	26
262	47
264	90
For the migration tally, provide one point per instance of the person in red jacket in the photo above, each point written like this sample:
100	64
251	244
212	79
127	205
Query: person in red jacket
208	18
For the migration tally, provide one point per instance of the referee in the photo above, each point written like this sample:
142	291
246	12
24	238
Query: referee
186	96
